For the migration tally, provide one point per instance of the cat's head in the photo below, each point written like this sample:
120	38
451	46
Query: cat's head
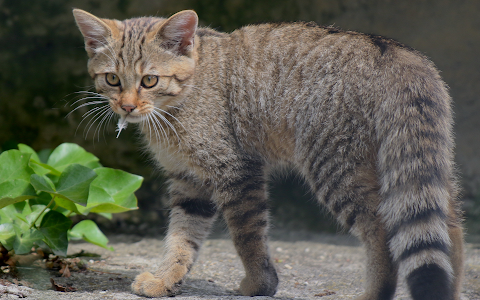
142	63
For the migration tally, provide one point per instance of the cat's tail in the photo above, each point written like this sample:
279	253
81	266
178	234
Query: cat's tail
415	162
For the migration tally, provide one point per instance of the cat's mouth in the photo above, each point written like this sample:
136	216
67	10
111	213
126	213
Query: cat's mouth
132	118
125	119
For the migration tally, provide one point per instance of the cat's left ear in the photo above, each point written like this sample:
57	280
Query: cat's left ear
178	32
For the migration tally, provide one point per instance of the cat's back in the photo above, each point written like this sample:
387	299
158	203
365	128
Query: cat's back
293	79
307	39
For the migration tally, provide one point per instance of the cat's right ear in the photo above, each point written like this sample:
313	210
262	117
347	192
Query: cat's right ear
95	31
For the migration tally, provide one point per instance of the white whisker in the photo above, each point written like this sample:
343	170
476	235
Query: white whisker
92	121
103	121
86	104
161	110
167	122
174	107
164	133
90	112
92	97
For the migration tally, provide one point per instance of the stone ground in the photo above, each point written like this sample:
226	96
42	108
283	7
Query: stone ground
310	266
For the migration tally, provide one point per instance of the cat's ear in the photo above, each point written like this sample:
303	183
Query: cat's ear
95	30
178	32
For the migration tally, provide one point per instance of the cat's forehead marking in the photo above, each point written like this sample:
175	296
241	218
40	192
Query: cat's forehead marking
133	38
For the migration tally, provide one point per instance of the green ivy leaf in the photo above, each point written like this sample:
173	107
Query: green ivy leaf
35	163
67	154
42	169
42	183
25	240
72	185
67	204
7	214
14	166
7	235
89	231
34	214
14	191
15	178
54	228
112	191
27	149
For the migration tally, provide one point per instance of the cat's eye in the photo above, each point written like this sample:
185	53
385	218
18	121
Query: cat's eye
112	79
149	81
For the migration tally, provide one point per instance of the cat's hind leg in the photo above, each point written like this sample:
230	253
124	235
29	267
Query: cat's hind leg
381	272
191	217
243	201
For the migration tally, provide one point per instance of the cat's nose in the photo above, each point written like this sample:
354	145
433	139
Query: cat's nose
128	108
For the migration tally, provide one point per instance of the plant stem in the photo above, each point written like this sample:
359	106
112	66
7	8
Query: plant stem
36	219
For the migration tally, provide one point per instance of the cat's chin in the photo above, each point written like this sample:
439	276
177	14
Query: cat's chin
133	119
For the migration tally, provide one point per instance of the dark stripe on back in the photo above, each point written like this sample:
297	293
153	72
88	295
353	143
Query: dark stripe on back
384	43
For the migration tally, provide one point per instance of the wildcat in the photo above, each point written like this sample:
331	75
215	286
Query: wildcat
364	119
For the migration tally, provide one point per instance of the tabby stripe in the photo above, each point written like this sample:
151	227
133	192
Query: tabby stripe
351	217
251	181
426	174
246	238
340	204
140	56
240	219
439	139
424	245
335	182
182	176
424	102
419	217
198	207
240	201
326	133
317	165
195	246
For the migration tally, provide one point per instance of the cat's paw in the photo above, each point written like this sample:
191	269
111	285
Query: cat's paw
262	287
148	285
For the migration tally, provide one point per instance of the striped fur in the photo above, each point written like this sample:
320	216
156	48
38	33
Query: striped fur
364	119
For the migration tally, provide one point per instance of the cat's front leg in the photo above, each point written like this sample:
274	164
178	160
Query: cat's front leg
191	217
243	201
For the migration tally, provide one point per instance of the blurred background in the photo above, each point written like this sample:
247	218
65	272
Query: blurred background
43	62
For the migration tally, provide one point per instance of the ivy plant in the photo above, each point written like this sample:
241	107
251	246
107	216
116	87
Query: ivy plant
40	191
